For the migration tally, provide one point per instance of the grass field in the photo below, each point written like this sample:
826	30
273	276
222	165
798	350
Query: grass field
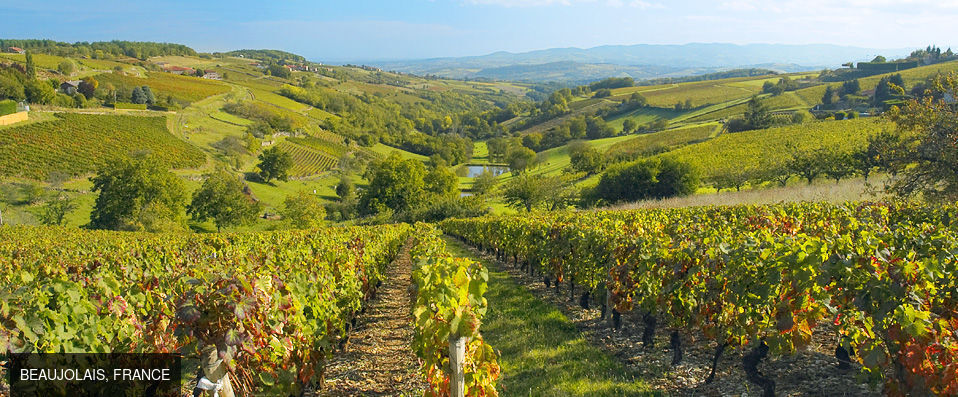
542	352
75	144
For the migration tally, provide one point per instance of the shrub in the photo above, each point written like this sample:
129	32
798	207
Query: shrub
645	179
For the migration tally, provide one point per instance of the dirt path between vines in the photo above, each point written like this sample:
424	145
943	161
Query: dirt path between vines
379	360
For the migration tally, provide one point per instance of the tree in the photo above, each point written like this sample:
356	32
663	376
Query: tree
757	115
584	158
138	96
636	100
345	189
526	192
484	183
274	163
31	67
442	182
39	92
67	67
304	210
222	199
395	184
88	86
520	158
829	96
148	97
137	194
882	152
879	59
851	87
278	71
645	179
628	126
807	164
838	165
929	155
56	210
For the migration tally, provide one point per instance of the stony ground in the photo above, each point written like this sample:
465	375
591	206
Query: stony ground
813	372
378	360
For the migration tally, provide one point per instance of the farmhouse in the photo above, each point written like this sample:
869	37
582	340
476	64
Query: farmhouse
70	87
180	70
16	50
212	76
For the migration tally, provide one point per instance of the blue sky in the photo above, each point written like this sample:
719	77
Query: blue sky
408	29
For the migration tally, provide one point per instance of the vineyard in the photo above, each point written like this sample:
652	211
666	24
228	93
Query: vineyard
700	93
768	149
75	144
662	141
878	277
323	144
278	303
183	89
308	161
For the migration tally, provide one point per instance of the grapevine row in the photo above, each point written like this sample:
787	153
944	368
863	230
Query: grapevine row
878	276
450	305
279	302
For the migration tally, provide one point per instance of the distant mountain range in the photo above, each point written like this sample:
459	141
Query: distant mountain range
642	61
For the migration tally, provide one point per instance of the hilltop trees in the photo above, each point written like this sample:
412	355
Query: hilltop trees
274	164
137	194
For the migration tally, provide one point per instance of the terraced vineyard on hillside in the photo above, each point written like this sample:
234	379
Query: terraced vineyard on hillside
308	161
75	144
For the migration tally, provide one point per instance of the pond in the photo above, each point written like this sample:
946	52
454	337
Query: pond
475	170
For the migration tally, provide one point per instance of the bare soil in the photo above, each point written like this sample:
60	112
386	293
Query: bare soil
378	360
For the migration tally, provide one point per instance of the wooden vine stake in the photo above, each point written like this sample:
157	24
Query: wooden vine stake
457	359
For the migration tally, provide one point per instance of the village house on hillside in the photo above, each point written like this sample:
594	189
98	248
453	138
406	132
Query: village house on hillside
180	70
70	87
16	50
212	76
